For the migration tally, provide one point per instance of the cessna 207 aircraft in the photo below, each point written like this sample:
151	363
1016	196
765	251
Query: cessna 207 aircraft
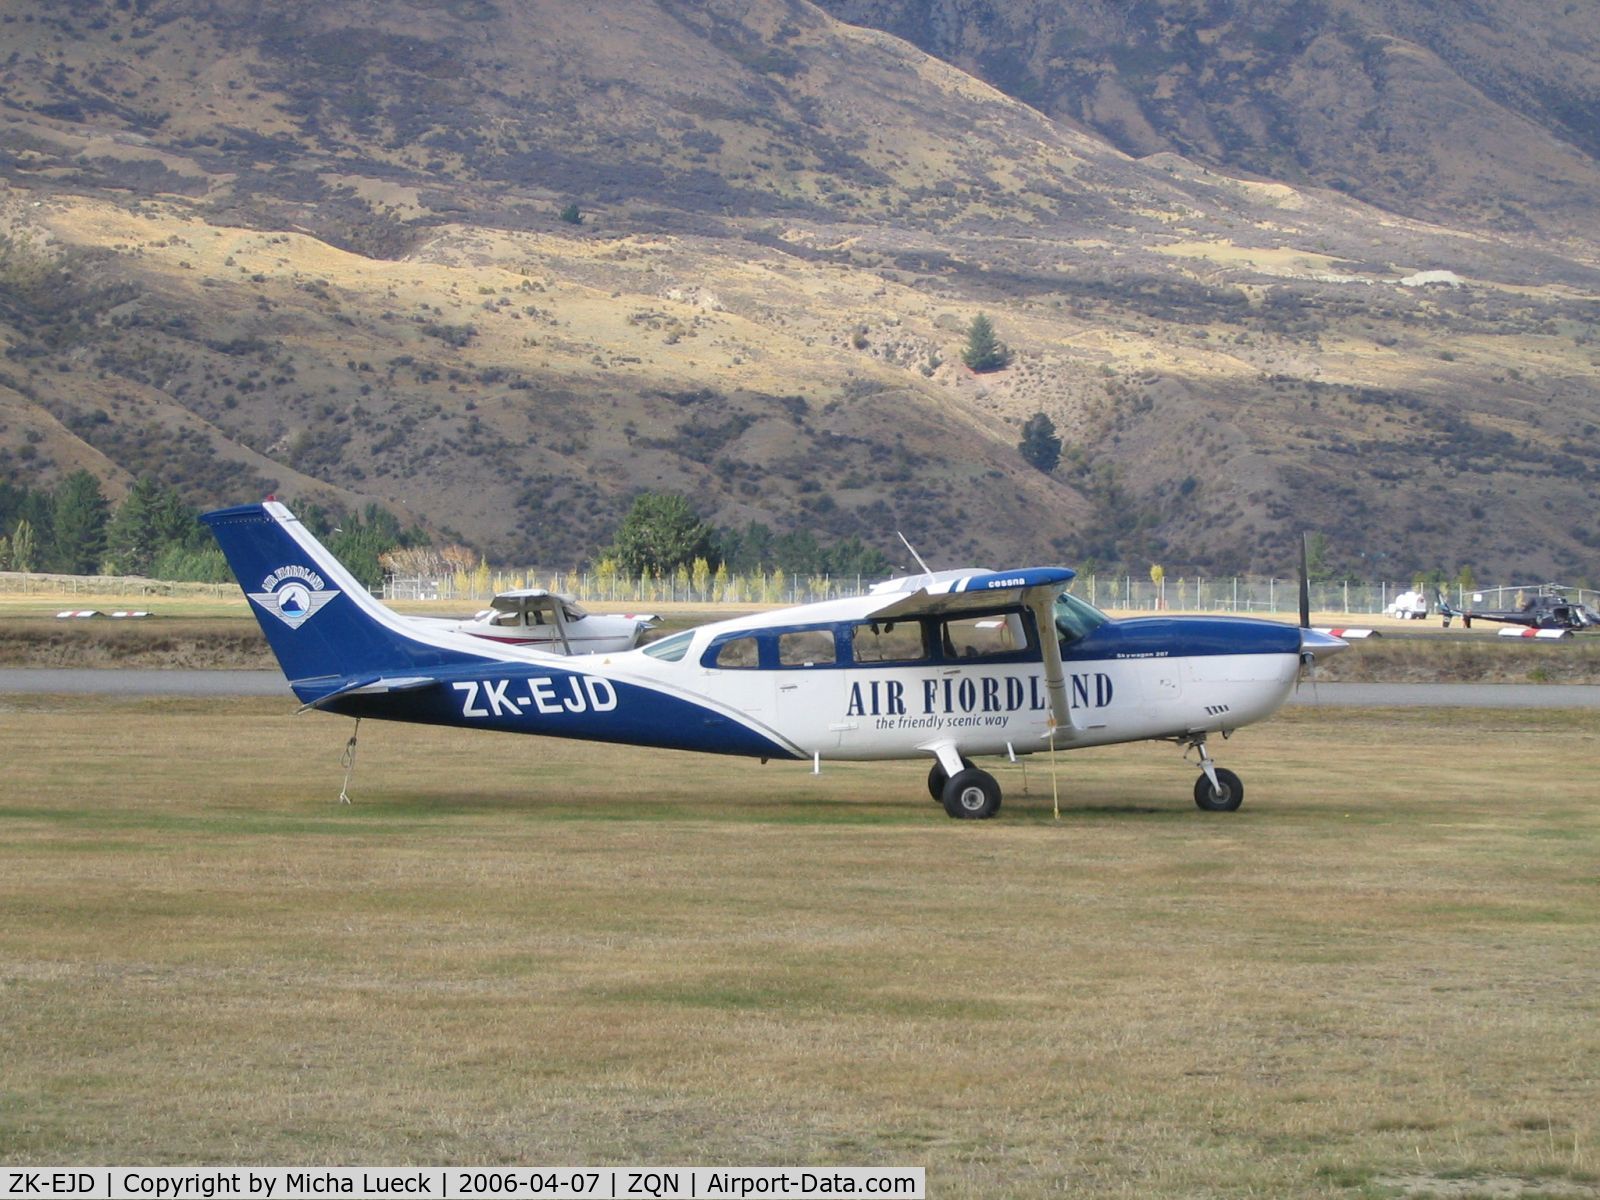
945	666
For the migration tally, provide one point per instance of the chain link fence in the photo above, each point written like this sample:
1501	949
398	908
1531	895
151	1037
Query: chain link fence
35	582
1243	594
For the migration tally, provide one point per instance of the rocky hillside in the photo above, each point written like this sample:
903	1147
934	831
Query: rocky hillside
319	250
1480	114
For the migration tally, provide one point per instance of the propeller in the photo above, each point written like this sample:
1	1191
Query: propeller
1305	582
1312	641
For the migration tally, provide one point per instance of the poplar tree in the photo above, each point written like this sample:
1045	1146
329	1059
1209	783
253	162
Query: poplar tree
22	546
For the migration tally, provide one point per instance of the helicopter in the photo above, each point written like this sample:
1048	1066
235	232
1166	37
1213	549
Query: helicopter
1546	609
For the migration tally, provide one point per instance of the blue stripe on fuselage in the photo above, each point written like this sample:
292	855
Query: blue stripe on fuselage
1184	637
552	702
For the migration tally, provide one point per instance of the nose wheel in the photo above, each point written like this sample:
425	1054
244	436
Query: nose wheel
1225	795
1218	789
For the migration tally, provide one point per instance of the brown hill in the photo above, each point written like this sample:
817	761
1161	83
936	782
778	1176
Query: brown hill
316	249
1478	114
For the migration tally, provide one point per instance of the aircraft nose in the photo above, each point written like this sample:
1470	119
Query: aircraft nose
1319	644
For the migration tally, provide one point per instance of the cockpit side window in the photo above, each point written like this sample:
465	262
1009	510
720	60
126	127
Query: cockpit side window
988	636
1075	618
670	649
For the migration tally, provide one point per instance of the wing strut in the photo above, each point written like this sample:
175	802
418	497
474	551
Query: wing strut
1041	601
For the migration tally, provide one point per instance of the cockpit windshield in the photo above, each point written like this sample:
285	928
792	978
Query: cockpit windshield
1076	618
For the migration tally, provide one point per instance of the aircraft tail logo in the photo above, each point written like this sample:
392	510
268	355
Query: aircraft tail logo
293	594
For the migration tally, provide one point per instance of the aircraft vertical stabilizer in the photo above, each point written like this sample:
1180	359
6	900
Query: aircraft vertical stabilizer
320	622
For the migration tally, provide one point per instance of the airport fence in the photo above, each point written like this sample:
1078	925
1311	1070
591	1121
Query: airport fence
42	583
1240	594
1243	594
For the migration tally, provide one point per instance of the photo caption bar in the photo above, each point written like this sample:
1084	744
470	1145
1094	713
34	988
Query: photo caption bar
459	1183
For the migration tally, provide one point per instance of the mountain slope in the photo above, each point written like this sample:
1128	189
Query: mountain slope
1480	113
316	249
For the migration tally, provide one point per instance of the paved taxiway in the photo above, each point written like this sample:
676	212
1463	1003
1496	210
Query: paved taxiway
84	681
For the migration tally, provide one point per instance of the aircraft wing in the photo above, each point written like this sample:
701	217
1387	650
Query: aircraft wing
1035	588
975	593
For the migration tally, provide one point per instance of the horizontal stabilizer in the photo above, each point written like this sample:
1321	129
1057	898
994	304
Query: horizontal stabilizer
372	687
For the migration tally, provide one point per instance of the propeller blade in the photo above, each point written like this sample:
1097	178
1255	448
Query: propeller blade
1305	584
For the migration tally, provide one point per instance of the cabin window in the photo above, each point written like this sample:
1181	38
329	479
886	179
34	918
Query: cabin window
988	636
670	649
738	654
806	648
889	641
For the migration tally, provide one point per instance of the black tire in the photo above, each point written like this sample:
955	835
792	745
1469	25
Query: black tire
1226	797
971	795
937	779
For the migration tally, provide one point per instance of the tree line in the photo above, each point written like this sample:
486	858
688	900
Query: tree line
73	529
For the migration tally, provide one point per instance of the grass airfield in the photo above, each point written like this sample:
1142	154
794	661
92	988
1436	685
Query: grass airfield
1379	978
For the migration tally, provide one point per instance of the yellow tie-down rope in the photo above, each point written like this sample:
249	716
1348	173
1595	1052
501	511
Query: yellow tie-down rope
1055	792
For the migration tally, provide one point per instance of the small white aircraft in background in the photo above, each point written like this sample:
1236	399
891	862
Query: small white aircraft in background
943	667
550	621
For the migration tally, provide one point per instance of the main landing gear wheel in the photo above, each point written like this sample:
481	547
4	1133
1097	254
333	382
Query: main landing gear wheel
937	779
1225	797
971	795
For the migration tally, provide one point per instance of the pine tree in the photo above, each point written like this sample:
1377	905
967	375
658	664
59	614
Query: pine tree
79	522
1040	445
132	538
984	352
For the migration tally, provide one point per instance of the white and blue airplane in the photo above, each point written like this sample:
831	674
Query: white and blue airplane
946	666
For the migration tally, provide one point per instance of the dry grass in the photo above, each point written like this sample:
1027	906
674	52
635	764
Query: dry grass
1383	969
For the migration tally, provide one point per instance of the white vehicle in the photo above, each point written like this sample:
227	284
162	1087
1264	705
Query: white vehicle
550	621
1408	606
942	667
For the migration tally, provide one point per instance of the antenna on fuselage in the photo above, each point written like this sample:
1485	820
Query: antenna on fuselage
926	570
